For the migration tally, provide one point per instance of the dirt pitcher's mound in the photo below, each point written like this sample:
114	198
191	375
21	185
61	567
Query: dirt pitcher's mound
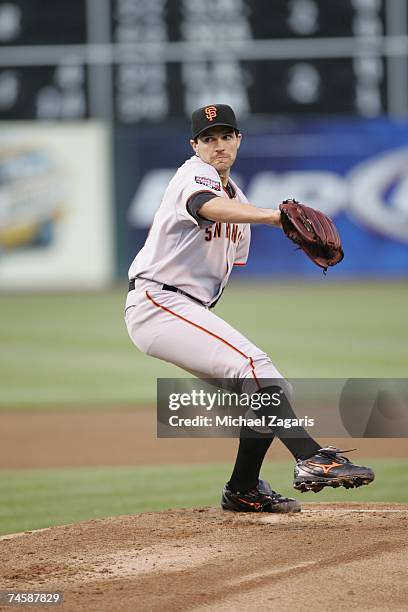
329	557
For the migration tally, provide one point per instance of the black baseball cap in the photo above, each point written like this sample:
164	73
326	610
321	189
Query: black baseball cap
210	116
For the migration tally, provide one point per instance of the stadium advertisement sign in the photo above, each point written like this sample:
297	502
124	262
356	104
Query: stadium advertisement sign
55	206
354	170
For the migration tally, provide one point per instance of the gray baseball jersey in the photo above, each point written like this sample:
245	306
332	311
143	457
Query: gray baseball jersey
186	250
196	256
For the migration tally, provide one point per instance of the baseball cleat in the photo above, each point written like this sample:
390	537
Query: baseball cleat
260	499
328	468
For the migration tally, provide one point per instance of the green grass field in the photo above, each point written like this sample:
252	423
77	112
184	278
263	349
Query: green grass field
32	499
73	348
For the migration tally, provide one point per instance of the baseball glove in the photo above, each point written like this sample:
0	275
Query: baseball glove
313	232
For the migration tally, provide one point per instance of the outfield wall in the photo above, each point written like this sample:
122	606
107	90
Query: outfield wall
55	206
354	170
77	199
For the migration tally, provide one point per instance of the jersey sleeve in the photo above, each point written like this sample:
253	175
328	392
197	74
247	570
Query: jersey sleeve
194	204
198	178
242	252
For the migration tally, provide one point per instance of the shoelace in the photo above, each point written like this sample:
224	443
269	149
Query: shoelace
255	494
337	452
276	495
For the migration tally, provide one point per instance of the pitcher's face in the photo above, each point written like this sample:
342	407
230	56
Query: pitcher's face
218	147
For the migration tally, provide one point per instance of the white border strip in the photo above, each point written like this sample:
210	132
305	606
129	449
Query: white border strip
108	53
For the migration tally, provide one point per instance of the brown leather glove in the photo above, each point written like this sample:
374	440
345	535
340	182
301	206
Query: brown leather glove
312	232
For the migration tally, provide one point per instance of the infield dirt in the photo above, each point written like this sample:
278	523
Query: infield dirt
329	557
336	557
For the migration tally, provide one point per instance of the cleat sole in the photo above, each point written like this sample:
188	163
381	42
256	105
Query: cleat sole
317	485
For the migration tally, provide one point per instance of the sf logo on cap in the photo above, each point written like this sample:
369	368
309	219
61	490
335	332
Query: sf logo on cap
210	112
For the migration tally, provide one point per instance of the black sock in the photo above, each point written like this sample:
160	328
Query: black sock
252	449
251	453
296	439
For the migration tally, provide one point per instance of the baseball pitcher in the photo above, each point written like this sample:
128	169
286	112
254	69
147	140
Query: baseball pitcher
200	232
